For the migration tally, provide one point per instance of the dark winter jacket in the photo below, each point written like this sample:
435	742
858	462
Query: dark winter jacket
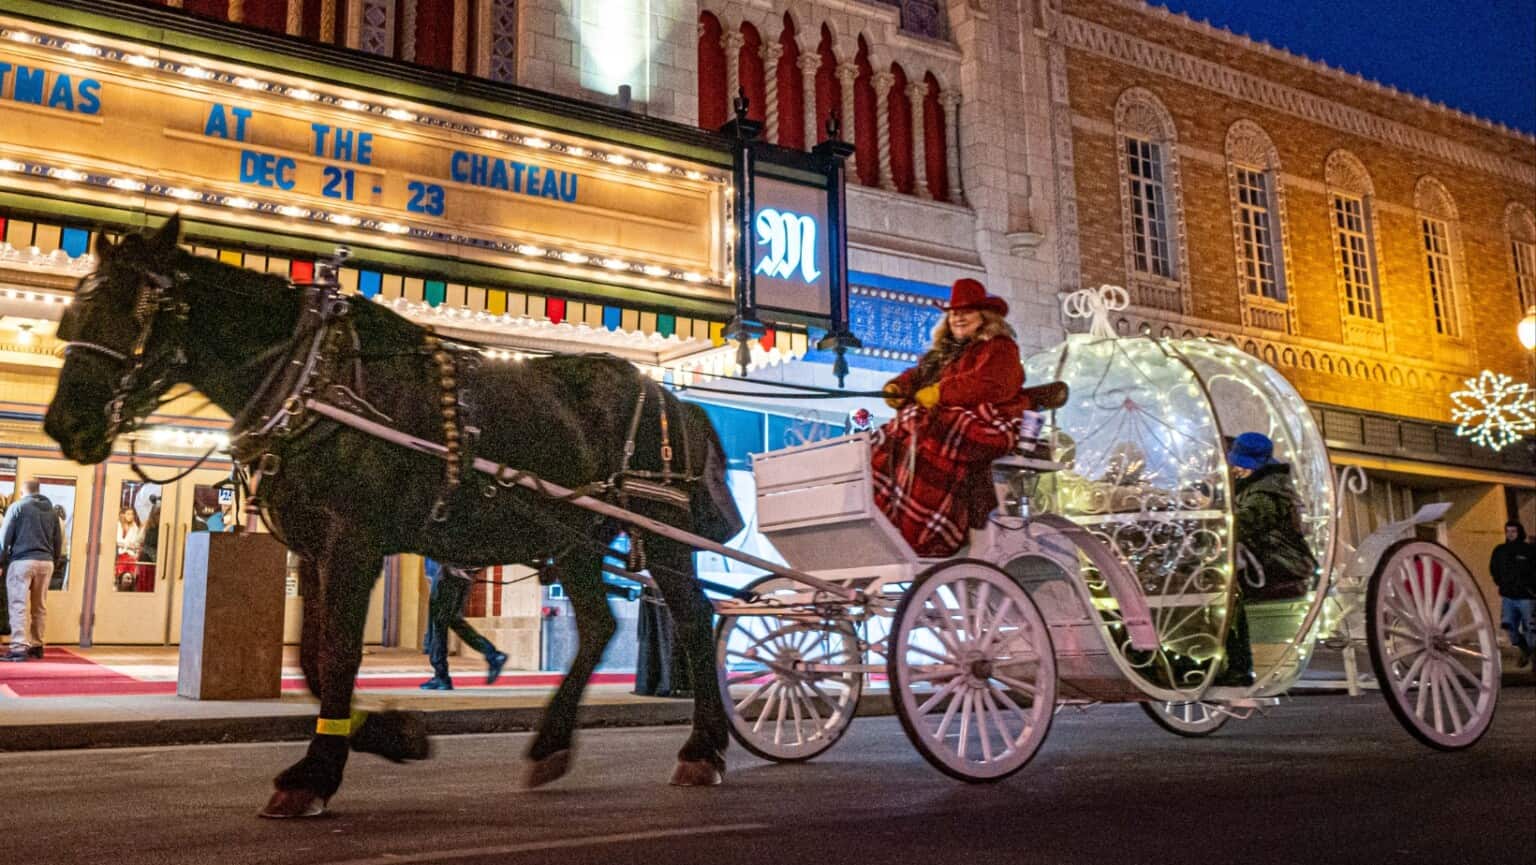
33	533
1514	568
1268	525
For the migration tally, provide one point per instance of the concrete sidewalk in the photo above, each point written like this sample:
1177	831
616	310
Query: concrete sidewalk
91	701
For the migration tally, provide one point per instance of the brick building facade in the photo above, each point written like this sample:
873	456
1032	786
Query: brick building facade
1367	243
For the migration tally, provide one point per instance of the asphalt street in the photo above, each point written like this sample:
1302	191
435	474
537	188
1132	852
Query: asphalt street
1316	780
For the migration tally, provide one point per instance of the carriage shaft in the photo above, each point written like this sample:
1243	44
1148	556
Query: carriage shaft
553	490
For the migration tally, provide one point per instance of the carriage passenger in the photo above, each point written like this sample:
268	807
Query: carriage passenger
1274	560
958	410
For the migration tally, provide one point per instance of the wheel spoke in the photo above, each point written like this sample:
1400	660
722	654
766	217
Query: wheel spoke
949	714
933	674
939	695
1413	649
1017	684
1409	680
768	702
756	692
794	705
1435	699
1023	716
983	732
810	704
1456	688
965	723
978	626
997	720
1457	604
778	723
989	637
946	659
1467	652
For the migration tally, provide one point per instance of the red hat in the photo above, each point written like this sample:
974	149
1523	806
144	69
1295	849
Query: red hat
967	293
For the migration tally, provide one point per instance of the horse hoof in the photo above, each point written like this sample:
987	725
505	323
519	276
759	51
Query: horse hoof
541	772
696	773
293	803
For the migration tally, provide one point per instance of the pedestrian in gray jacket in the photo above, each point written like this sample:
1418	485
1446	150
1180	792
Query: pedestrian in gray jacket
32	548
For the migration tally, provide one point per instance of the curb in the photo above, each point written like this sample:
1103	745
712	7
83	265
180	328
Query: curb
299	728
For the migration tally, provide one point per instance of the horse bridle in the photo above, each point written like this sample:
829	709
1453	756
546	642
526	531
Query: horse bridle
146	376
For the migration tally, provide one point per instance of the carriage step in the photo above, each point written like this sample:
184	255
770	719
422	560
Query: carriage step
1237	698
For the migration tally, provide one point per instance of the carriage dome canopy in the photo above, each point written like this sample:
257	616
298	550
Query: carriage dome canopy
1144	440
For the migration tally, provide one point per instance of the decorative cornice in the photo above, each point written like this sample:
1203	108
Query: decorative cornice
1206	28
1090	36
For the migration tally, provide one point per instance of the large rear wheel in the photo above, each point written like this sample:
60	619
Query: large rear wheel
972	672
788	691
1433	645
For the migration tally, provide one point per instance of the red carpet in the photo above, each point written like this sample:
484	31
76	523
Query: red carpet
62	673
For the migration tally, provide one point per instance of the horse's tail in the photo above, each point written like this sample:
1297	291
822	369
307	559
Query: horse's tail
715	515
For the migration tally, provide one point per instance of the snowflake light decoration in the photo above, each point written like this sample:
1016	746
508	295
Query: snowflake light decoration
1494	410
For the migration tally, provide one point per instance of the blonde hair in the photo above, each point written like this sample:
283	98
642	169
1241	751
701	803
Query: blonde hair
992	324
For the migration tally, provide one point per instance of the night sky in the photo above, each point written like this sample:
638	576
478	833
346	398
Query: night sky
1478	56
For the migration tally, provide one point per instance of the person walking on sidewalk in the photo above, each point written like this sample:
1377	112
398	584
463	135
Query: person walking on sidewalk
450	586
1514	571
33	546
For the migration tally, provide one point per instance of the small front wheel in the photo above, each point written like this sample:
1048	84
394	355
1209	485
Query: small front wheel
1192	720
1433	645
791	683
972	671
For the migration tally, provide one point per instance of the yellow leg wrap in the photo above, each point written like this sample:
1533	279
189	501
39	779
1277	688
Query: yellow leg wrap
333	726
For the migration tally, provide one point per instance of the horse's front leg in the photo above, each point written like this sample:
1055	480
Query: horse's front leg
549	755
332	649
701	762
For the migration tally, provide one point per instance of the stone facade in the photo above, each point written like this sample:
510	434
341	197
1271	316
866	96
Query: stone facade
1218	104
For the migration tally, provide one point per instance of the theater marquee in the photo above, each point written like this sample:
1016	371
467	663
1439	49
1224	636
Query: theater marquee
110	122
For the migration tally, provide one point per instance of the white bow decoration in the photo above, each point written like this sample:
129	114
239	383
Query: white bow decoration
1096	304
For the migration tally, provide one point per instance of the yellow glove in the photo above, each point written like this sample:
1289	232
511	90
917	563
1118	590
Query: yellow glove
928	397
894	400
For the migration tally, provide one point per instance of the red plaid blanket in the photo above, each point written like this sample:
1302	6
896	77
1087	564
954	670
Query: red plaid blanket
932	471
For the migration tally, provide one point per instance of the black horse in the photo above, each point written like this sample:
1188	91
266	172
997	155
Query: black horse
154	315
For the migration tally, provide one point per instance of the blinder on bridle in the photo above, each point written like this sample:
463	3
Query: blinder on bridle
158	307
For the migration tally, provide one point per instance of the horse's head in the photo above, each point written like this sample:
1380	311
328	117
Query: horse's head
123	343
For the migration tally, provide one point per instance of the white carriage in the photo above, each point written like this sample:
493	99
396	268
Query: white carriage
1106	575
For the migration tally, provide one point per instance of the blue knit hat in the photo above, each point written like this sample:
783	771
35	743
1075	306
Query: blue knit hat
1251	450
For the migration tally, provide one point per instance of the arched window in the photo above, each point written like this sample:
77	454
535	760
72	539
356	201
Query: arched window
829	96
713	101
899	111
1350	210
866	126
751	70
1520	227
1440	234
935	144
791	89
1253	180
1150	200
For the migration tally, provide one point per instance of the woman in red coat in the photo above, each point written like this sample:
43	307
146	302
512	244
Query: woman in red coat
958	410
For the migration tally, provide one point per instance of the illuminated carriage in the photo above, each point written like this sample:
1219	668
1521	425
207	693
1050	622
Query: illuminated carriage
1106	575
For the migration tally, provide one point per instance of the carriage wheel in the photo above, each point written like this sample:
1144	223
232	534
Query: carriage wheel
779	710
1432	645
973	674
1193	720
